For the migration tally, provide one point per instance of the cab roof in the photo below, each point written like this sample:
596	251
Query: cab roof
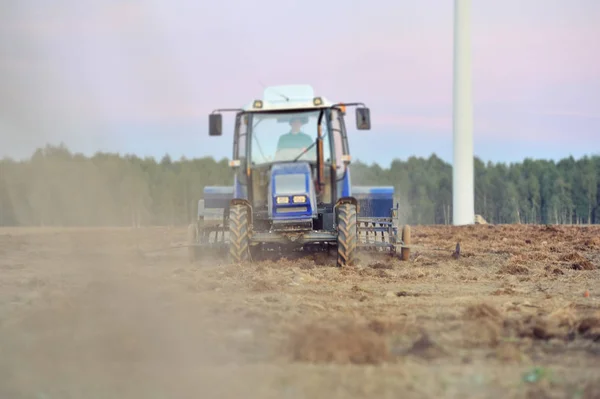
288	97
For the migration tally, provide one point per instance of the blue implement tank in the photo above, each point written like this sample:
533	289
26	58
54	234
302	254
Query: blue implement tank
374	202
218	196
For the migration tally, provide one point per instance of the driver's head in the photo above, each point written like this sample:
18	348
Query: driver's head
296	124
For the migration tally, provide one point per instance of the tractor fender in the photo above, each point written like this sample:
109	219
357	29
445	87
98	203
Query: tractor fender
246	203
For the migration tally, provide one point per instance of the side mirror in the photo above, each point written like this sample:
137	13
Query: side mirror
363	119
215	124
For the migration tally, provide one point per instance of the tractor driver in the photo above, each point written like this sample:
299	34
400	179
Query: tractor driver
295	139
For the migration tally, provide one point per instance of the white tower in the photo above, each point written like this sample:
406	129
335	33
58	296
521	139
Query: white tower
463	179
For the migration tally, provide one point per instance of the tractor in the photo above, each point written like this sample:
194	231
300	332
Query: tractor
292	190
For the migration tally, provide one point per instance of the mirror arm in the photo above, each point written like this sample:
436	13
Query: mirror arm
216	111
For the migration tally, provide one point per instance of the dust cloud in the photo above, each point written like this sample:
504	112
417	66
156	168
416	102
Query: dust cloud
87	315
84	313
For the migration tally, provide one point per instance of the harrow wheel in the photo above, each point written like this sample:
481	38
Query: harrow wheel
347	235
239	235
405	252
192	239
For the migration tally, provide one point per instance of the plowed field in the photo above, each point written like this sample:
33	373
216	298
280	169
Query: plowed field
118	313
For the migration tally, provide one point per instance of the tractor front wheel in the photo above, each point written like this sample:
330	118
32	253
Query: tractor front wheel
405	252
239	235
347	235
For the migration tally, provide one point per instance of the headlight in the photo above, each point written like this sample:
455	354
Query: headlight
283	200
299	199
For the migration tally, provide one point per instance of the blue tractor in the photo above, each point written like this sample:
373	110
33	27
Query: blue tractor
292	188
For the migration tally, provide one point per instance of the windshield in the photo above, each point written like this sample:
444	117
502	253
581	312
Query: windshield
284	136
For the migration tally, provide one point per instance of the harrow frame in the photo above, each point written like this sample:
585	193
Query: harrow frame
209	236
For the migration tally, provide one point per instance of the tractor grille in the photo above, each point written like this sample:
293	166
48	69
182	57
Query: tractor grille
292	209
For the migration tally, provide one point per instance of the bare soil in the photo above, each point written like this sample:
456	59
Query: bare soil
120	313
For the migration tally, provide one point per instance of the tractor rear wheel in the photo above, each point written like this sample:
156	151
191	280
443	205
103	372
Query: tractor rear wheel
405	252
239	235
347	235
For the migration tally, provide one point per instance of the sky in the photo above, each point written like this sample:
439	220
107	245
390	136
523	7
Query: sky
141	77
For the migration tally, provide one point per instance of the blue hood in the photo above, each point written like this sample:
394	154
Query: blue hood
289	180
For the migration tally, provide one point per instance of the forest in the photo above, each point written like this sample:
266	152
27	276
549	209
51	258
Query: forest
56	187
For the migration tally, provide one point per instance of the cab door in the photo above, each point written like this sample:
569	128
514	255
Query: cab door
340	154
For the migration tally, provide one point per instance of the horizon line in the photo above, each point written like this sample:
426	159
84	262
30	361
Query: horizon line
158	159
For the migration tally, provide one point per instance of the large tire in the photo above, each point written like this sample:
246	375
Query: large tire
347	238
406	240
192	239
239	235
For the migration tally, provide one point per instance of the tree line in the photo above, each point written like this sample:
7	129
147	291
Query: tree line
56	187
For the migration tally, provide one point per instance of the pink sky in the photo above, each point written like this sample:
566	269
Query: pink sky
104	75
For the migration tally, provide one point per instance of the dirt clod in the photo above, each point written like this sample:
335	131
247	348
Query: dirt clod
483	311
426	348
406	293
381	265
514	269
340	344
583	265
577	261
590	328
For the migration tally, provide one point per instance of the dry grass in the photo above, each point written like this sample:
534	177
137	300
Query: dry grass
121	309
